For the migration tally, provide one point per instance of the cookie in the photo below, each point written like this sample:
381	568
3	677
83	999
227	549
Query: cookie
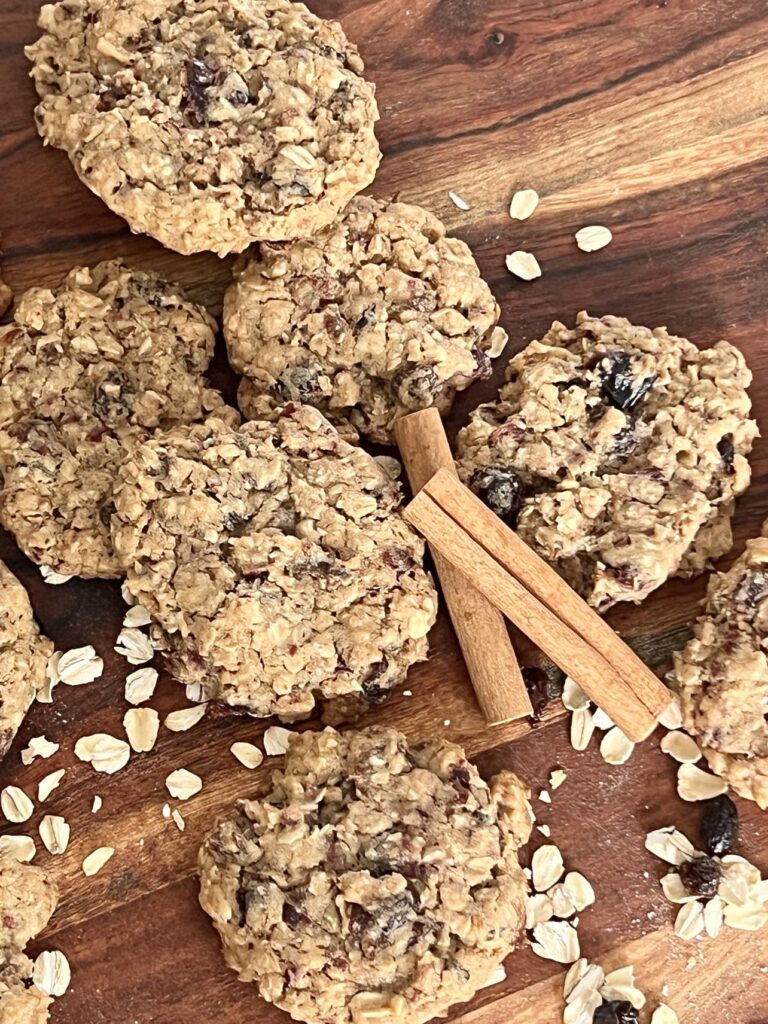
722	674
207	123
375	881
24	654
616	452
276	560
376	316
87	371
28	898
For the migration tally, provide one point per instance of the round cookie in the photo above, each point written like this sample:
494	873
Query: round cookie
722	674
374	881
87	371
376	316
276	560
207	123
616	452
28	898
24	654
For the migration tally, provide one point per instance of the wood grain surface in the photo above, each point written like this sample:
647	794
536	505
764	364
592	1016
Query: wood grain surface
650	116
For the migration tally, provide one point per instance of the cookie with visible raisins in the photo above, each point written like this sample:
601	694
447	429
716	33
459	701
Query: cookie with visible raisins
24	654
378	315
275	560
88	370
722	676
385	875
616	452
207	123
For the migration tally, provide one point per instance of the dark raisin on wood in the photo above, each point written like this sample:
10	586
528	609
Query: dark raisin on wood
701	876
727	452
616	1013
619	387
371	688
543	686
501	489
719	825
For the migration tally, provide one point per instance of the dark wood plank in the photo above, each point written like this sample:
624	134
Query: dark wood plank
651	117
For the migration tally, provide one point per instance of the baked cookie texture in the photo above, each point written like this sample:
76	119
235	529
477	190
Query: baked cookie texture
274	558
378	315
722	674
87	371
207	123
616	452
24	654
375	881
28	898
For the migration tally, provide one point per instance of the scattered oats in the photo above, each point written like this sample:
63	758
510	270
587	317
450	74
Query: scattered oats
664	1015
523	265
458	201
672	717
127	595
748	918
574	975
178	819
586	978
670	845
137	616
615	747
603	722
407	693
185	718
694	784
141	727
166	810
16	805
194	692
690	920
562	904
496	978
183	784
582	1008
79	666
104	752
545	830
54	578
579	889
556	940
582	728
48	783
97	804
499	339
95	861
547	867
44	693
673	888
276	740
140	685
593	237
51	973
135	646
557	778
524	202
38	746
54	832
20	848
681	746
248	754
713	917
574	698
619	986
538	909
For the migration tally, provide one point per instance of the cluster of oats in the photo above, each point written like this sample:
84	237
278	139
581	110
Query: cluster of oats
615	746
587	987
693	783
711	891
552	908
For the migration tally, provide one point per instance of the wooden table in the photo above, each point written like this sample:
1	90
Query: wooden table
650	117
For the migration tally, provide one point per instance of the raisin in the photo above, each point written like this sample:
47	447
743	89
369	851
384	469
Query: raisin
616	1013
727	452
397	558
619	387
624	443
752	589
701	877
199	78
368	319
719	825
296	188
239	98
416	387
542	687
501	489
371	688
299	384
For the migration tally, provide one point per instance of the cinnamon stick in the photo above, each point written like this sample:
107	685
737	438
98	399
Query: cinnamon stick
479	626
534	597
